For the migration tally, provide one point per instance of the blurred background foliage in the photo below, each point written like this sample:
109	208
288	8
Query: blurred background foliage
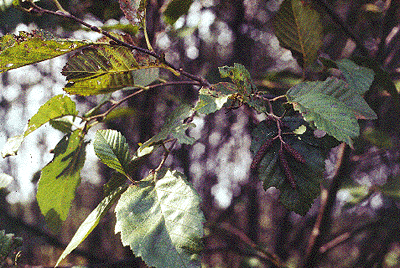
362	230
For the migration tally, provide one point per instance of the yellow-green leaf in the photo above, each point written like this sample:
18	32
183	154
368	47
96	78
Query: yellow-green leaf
103	69
28	48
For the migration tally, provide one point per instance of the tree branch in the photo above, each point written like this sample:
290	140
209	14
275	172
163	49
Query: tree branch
33	8
328	197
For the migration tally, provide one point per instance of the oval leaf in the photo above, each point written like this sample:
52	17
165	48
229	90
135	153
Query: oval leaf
112	149
162	221
299	28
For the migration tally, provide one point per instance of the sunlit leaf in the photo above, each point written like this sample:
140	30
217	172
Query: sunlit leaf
60	177
91	221
298	28
56	107
5	4
112	149
134	10
307	176
28	48
174	127
103	69
174	9
161	221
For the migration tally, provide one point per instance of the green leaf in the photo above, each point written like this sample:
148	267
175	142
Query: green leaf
5	180
174	9
359	78
28	48
214	98
174	126
112	149
92	221
9	245
63	124
162	221
331	106
60	177
56	107
307	176
298	28
103	69
134	10
240	77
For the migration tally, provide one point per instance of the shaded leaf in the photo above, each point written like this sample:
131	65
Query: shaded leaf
307	176
9	245
60	177
174	9
161	221
174	126
298	28
134	10
240	77
92	221
63	124
359	78
28	48
214	98
112	149
103	69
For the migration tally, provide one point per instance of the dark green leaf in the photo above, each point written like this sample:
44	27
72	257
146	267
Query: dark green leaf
307	176
359	78
174	9
28	48
214	98
240	77
161	221
103	69
299	28
112	149
60	177
331	106
174	126
92	221
9	245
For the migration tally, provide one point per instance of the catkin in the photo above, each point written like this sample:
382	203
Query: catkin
261	153
286	169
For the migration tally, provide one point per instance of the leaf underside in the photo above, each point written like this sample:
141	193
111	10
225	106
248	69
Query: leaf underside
134	10
28	48
161	221
104	69
298	27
